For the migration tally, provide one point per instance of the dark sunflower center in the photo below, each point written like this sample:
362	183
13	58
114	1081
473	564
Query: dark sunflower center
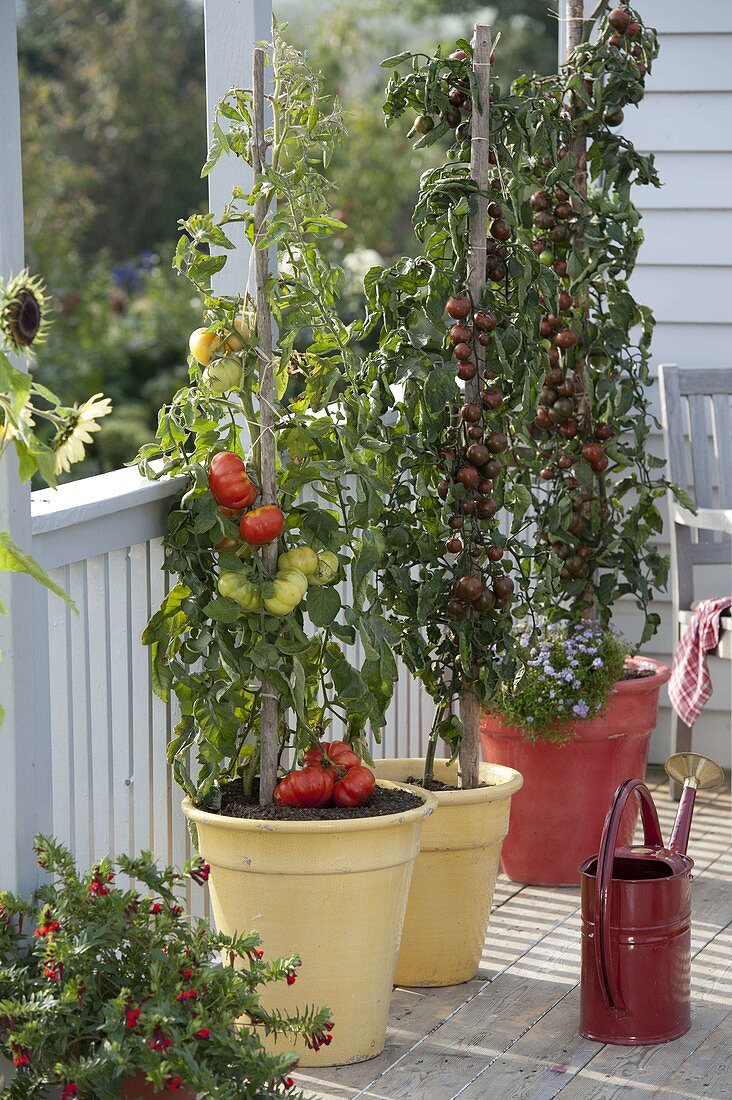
25	317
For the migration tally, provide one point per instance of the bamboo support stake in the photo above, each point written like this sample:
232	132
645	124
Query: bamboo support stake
269	707
575	27
469	754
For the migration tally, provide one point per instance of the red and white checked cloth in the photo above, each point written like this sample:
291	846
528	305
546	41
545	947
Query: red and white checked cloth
690	685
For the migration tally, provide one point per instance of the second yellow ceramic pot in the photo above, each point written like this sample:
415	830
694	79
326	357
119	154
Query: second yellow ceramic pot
334	893
454	875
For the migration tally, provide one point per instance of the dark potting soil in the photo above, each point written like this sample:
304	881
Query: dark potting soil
437	785
384	800
637	673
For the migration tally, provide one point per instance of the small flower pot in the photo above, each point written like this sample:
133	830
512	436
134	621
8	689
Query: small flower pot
454	874
334	893
557	818
137	1088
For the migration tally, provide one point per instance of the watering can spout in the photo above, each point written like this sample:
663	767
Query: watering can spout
697	773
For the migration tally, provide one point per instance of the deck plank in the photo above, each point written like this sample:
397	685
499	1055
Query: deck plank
512	1032
553	1052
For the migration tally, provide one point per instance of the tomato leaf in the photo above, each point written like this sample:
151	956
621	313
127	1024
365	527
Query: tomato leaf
323	605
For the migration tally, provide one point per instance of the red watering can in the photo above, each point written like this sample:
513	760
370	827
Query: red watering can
636	919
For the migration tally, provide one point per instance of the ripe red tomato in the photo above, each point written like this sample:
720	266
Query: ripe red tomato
307	788
355	787
337	751
229	482
262	525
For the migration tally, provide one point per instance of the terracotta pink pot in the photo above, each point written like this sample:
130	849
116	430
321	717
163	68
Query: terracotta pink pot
137	1088
557	816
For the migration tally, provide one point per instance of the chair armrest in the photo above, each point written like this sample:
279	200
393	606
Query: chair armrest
706	519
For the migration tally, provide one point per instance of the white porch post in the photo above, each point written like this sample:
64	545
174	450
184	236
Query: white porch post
25	772
233	27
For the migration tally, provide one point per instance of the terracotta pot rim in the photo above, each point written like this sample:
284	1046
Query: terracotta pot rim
337	825
505	781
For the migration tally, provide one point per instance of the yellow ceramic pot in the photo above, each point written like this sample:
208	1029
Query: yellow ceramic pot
332	892
454	874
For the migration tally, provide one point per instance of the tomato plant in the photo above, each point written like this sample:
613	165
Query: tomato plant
250	622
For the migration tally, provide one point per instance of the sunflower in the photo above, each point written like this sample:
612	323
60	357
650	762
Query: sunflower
77	431
23	311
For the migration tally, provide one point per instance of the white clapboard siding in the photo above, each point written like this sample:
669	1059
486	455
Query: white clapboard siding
691	183
669	121
687	239
701	295
685	266
714	75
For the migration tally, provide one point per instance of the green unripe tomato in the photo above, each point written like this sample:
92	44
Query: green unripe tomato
424	123
328	569
301	557
223	374
288	591
238	587
546	257
294	577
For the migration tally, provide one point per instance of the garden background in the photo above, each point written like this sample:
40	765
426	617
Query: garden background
114	134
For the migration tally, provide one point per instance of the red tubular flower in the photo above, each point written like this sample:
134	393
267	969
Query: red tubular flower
258	953
176	910
174	1083
186	995
201	872
53	971
159	1041
21	1057
156	908
288	1082
70	1091
291	977
203	1033
132	1015
48	928
186	973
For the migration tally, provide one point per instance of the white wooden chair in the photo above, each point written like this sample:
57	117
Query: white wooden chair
696	409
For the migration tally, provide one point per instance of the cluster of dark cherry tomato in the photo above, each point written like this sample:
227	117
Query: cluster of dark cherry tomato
562	414
332	775
474	464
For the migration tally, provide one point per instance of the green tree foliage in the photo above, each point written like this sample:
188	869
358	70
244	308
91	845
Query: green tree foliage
376	172
113	124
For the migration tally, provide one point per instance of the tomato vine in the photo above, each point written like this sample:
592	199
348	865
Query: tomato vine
223	630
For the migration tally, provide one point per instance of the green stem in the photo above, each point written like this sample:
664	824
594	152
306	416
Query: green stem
429	761
248	775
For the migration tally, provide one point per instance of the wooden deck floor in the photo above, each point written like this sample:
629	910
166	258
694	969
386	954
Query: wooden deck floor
511	1033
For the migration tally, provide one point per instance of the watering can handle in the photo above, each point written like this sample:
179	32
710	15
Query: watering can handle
603	878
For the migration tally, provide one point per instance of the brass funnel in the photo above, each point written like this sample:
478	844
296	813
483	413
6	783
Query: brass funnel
697	773
700	772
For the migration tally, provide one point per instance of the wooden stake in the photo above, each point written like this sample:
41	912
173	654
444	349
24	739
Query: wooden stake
575	26
469	754
269	716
